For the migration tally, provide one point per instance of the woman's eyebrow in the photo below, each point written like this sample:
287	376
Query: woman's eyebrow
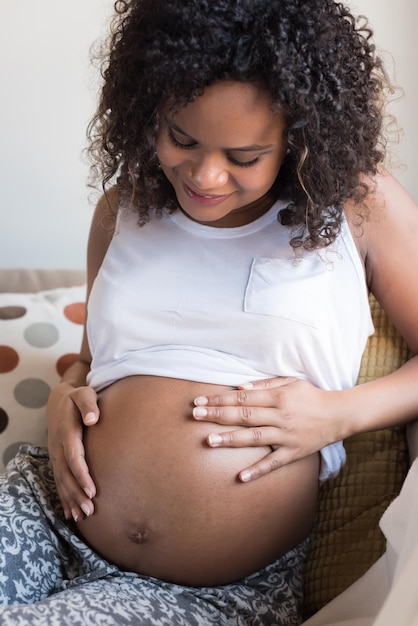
174	126
252	148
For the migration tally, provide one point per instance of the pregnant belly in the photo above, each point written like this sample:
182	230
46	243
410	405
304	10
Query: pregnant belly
169	506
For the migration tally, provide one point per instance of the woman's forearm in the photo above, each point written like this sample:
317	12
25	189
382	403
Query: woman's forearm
384	402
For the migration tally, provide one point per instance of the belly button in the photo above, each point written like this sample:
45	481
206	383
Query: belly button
139	536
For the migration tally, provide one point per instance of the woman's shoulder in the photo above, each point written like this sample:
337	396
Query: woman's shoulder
107	208
101	231
383	217
385	229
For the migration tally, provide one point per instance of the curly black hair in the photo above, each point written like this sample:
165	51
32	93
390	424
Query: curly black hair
317	61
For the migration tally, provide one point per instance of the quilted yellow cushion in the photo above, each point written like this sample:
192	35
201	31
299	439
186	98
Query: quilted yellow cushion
347	539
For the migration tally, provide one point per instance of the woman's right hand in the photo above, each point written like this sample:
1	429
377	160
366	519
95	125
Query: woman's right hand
68	409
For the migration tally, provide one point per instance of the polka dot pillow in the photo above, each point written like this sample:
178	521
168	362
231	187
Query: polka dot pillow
40	336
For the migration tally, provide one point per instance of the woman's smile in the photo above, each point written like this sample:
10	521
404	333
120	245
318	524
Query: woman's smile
203	198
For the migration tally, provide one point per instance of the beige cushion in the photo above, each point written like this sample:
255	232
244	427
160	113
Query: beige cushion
32	280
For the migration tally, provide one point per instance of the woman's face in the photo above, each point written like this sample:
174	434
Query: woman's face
222	153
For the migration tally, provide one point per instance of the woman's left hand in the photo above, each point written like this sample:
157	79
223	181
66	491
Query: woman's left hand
290	415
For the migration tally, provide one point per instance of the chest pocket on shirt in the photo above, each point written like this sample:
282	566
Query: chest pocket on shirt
287	288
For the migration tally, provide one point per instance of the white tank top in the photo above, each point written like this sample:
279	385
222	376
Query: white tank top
228	306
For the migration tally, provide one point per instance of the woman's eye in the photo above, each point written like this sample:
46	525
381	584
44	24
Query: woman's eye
180	143
177	143
243	163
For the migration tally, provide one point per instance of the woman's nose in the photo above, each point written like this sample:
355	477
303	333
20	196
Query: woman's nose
208	171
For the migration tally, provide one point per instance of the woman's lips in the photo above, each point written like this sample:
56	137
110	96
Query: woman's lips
207	199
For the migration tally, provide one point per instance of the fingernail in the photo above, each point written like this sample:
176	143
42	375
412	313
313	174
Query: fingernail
89	418
200	400
247	386
88	493
200	412
86	509
245	476
76	516
214	440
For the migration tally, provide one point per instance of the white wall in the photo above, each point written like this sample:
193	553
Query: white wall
394	24
47	99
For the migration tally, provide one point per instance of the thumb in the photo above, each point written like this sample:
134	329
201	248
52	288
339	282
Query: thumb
85	398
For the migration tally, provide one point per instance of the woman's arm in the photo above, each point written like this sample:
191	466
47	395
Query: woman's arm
388	243
296	418
71	402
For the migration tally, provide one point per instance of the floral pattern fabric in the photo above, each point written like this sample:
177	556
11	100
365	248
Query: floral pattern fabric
50	577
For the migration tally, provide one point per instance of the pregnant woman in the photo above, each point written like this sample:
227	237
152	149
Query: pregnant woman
245	217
